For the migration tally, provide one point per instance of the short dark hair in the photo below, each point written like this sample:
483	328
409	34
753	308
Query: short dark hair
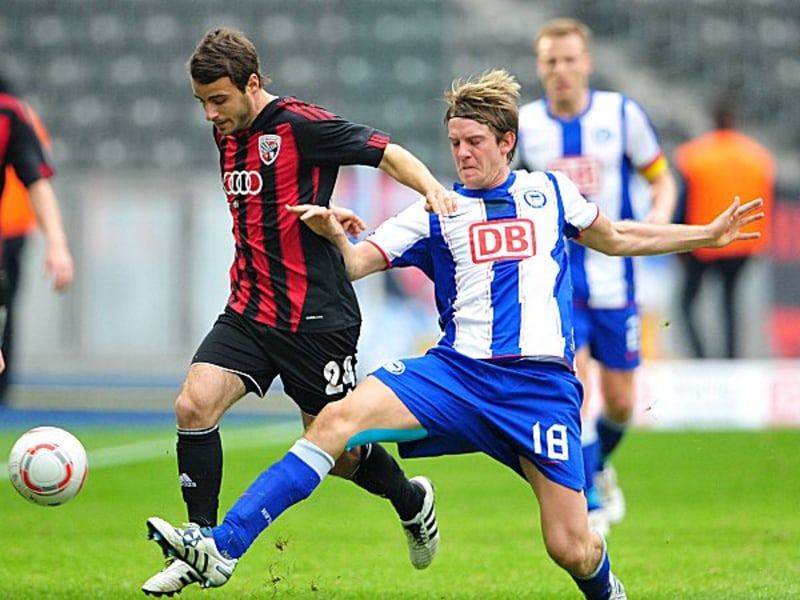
225	52
725	111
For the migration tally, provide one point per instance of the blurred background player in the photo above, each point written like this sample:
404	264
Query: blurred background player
26	194
603	141
714	168
292	313
17	223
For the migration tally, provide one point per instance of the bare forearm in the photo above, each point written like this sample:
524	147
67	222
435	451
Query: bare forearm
646	239
58	260
347	248
406	168
360	259
45	205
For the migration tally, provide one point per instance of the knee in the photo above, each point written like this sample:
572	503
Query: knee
571	553
619	403
335	424
620	410
335	419
192	413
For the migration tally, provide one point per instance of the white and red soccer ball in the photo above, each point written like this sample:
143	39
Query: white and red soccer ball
48	466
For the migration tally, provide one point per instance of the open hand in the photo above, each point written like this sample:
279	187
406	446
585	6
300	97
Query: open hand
727	227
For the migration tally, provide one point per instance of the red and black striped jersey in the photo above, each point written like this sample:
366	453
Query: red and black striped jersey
283	274
19	145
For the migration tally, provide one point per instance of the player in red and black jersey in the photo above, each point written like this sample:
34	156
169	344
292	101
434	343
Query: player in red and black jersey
292	312
284	275
21	151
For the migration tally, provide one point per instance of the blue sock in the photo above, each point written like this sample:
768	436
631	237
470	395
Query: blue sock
598	585
591	454
610	434
285	483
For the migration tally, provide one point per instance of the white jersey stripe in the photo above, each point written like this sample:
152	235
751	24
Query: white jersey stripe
492	261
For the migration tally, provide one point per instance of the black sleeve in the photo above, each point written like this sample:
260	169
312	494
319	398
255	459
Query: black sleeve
338	142
25	153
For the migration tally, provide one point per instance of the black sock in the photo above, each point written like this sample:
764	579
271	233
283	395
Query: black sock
200	468
379	473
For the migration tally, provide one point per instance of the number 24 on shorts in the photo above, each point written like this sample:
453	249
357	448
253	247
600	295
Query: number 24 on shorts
340	377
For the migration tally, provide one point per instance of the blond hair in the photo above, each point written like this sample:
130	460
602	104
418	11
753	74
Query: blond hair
491	99
562	27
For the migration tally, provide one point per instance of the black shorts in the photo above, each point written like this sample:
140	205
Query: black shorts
315	368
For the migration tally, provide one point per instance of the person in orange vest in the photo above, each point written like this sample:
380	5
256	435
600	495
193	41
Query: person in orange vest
716	167
27	200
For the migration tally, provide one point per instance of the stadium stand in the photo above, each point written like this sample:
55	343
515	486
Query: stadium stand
378	61
120	71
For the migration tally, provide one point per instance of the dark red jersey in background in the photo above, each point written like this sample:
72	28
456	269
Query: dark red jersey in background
19	146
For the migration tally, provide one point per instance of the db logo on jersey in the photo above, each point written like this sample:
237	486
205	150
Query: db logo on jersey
509	239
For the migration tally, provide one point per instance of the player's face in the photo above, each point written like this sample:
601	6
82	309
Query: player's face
564	64
481	161
226	106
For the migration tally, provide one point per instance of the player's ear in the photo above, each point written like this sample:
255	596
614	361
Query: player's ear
253	83
507	142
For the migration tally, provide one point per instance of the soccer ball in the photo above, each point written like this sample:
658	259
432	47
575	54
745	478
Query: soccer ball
48	466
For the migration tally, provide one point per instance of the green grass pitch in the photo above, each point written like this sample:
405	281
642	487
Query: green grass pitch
711	515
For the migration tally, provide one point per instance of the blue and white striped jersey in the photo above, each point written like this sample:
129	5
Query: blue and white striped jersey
602	150
499	264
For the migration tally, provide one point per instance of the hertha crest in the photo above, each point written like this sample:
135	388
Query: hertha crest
268	148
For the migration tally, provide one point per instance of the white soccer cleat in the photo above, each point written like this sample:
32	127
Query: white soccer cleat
611	496
599	522
422	531
617	589
195	546
171	580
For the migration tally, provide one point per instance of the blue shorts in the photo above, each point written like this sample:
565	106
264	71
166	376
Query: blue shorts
504	409
614	335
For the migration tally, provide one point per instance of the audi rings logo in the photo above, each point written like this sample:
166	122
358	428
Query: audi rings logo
242	183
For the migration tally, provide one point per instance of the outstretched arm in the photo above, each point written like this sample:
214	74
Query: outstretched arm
631	238
360	259
406	168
